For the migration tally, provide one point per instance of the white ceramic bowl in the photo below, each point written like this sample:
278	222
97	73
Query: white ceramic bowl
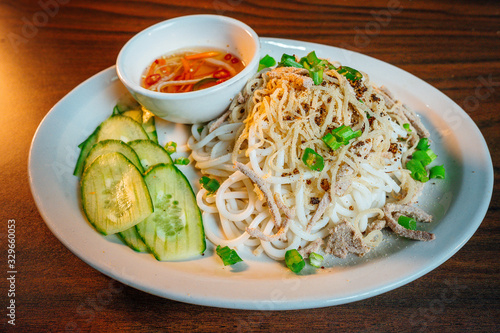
183	32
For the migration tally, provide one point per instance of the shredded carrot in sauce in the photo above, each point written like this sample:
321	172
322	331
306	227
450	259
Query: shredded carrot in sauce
204	69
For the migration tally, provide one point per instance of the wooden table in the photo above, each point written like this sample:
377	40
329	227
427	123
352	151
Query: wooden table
49	47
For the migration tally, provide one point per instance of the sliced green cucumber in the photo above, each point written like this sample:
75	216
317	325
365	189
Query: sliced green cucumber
133	240
85	147
121	128
148	123
146	119
150	153
175	230
114	194
112	146
134	114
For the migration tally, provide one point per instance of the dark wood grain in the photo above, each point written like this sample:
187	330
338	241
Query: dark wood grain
453	45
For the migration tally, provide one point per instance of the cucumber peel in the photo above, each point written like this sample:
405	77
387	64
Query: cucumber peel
150	153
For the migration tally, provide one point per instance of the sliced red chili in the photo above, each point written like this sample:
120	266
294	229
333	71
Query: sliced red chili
235	60
221	74
152	79
227	56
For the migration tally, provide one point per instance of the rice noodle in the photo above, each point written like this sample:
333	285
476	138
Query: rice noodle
264	135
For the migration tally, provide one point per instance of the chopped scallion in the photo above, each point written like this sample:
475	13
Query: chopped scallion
340	136
406	126
316	75
422	157
315	259
311	62
181	161
349	73
418	171
437	172
331	141
171	147
407	222
228	256
289	61
209	184
313	160
294	260
266	62
312	58
431	154
423	144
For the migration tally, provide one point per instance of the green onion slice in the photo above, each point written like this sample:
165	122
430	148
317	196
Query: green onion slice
315	259
209	184
228	256
171	147
407	222
265	62
349	73
431	154
418	171
437	172
316	75
422	157
313	160
289	61
406	126
423	144
181	161
340	136
294	260
331	141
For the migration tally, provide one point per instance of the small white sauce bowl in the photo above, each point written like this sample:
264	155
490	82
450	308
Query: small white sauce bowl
207	31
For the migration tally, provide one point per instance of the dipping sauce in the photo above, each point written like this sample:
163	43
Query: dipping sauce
190	70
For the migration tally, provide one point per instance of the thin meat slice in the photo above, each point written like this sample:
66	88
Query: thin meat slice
345	239
392	213
375	225
323	205
264	187
279	235
311	247
298	77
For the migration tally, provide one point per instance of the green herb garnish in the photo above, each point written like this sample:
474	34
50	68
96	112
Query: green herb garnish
228	256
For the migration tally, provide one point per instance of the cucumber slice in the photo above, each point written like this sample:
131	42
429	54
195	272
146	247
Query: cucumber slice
133	240
114	194
112	146
150	153
85	147
134	114
175	230
121	128
148	123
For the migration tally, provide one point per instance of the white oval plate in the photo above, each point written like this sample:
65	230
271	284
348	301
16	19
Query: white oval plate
459	203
